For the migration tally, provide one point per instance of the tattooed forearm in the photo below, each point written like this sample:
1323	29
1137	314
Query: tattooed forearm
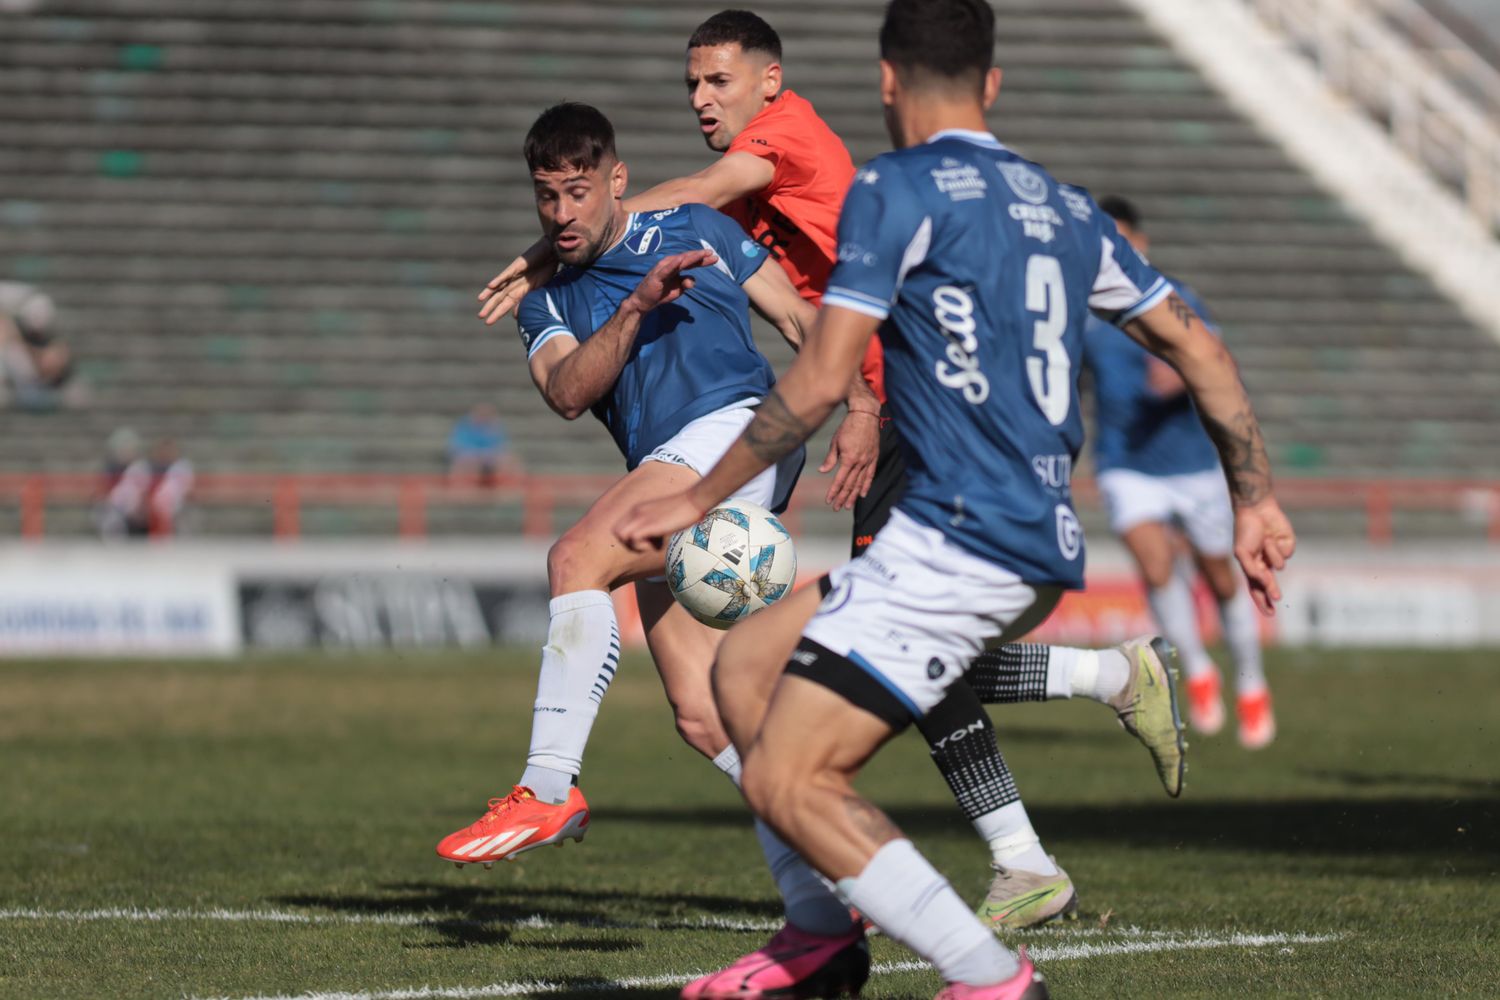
870	821
1181	309
1243	452
776	431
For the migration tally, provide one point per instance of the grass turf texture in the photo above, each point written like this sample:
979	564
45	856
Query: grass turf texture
319	786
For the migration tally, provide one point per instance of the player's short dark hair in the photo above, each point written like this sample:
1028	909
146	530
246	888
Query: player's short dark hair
569	135
738	27
942	40
1121	210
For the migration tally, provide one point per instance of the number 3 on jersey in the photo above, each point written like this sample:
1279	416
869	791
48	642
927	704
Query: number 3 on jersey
1051	377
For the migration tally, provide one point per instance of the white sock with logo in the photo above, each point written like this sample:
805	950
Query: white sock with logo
1242	636
578	664
912	903
1173	607
1013	843
811	904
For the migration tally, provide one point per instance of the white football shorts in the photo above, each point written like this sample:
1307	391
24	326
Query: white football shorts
1197	502
915	610
701	444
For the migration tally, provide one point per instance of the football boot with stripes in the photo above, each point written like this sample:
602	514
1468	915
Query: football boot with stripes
514	825
794	965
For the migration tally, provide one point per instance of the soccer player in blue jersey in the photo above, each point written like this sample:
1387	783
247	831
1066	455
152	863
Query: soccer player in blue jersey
646	326
1158	473
978	270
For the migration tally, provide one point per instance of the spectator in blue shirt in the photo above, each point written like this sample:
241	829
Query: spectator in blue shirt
479	448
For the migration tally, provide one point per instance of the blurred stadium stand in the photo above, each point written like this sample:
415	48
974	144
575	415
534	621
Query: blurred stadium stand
264	222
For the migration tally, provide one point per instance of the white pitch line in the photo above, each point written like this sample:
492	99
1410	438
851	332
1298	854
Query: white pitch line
1040	953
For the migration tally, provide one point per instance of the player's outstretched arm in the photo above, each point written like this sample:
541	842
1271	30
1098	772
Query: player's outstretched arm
729	178
804	398
573	377
1264	539
528	272
855	447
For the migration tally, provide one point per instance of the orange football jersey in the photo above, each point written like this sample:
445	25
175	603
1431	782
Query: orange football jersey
796	216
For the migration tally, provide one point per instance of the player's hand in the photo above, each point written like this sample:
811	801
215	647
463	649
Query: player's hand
666	282
525	274
854	451
1263	542
647	526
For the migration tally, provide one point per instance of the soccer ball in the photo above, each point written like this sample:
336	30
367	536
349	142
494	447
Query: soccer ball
736	561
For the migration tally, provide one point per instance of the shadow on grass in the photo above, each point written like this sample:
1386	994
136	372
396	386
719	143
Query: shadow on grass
486	916
1463	831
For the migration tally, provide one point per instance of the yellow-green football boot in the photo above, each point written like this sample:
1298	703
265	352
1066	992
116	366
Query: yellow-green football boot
1019	898
1147	708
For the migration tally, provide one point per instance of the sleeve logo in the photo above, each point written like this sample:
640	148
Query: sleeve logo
750	249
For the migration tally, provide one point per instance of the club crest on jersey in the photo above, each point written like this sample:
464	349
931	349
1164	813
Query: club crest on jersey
1028	185
646	241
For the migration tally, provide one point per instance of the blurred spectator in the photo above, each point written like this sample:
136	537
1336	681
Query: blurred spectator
143	497
478	448
36	368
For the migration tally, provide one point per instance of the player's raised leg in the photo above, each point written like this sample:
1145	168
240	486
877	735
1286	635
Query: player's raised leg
578	664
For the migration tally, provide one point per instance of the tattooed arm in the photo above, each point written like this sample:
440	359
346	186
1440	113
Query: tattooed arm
816	383
1264	539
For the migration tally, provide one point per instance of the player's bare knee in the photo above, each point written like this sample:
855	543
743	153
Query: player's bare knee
570	566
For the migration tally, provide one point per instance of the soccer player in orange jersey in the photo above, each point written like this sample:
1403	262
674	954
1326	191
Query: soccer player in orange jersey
783	175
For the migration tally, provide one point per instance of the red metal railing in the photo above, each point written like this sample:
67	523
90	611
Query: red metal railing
539	496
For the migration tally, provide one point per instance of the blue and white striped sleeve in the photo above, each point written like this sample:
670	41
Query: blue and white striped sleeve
539	320
1126	285
882	236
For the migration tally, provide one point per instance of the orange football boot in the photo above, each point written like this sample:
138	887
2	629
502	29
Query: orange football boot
1257	721
1205	704
514	825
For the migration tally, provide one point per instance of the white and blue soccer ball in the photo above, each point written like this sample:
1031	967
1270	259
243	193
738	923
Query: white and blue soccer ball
736	561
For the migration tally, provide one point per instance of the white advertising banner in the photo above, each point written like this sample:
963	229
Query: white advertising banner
63	602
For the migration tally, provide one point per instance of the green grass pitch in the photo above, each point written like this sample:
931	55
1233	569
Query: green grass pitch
265	828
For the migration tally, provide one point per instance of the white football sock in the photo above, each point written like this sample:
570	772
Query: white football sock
913	904
1242	636
810	902
578	663
1099	674
1173	607
1013	843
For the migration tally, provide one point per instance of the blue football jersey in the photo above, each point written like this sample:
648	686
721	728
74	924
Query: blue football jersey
1137	429
692	356
984	269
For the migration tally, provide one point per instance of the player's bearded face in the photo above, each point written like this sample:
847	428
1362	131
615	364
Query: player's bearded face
726	88
577	209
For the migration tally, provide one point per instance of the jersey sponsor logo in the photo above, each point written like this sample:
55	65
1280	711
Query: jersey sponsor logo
1069	533
1077	202
750	249
646	241
850	253
959	368
1053	471
959	181
1028	185
866	175
1040	222
658	216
